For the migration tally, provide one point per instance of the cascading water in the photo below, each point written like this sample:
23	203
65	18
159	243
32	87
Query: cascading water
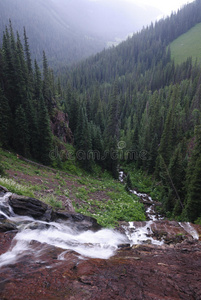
100	244
191	231
142	234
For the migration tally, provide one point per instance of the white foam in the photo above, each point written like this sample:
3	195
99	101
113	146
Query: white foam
141	234
190	229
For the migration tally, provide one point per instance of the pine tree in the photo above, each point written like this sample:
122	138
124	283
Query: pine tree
83	139
5	122
193	183
193	206
97	144
27	54
21	136
129	185
112	134
31	116
47	92
37	86
9	72
153	154
45	134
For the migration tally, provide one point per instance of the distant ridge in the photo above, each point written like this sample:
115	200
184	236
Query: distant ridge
71	30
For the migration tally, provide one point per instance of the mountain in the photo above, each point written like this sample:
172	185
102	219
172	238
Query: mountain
70	30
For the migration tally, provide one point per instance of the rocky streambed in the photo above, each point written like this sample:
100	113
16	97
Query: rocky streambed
48	254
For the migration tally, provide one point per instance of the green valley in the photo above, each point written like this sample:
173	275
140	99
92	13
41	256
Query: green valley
128	107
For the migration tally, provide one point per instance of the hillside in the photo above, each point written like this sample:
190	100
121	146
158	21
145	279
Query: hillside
69	31
93	195
187	45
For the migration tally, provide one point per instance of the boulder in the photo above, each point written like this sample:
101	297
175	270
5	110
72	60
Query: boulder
32	207
77	221
3	190
5	210
38	210
6	225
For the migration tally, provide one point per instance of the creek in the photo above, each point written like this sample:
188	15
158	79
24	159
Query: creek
63	234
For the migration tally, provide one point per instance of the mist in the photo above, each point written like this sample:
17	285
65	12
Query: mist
70	30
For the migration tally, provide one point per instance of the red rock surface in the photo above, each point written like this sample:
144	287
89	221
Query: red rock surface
144	272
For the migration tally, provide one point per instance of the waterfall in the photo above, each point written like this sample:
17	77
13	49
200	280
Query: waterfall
100	244
34	236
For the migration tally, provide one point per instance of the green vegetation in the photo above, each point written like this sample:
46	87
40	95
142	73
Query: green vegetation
119	205
187	45
129	106
15	187
52	201
102	198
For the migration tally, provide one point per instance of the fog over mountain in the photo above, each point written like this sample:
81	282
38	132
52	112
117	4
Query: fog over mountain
70	30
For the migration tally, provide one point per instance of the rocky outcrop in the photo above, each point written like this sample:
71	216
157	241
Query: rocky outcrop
31	207
7	226
77	221
143	272
60	126
136	271
38	210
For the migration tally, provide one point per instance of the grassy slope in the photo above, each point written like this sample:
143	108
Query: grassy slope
187	45
103	198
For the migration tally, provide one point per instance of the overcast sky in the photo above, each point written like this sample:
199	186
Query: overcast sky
166	7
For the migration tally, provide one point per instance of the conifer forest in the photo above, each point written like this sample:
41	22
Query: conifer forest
128	106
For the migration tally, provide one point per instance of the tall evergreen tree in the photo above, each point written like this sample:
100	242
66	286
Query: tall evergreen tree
21	136
47	92
193	205
83	139
193	183
5	122
27	54
45	134
112	134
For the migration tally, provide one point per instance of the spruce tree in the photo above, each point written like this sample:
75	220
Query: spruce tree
45	134
47	92
83	139
27	54
5	122
193	206
129	185
32	122
112	134
21	136
193	177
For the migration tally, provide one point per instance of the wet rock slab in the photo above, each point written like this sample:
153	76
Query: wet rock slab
141	272
25	206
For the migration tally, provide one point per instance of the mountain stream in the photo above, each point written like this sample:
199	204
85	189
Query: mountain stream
94	244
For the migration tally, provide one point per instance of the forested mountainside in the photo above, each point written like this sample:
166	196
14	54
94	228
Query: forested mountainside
129	106
69	31
134	101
